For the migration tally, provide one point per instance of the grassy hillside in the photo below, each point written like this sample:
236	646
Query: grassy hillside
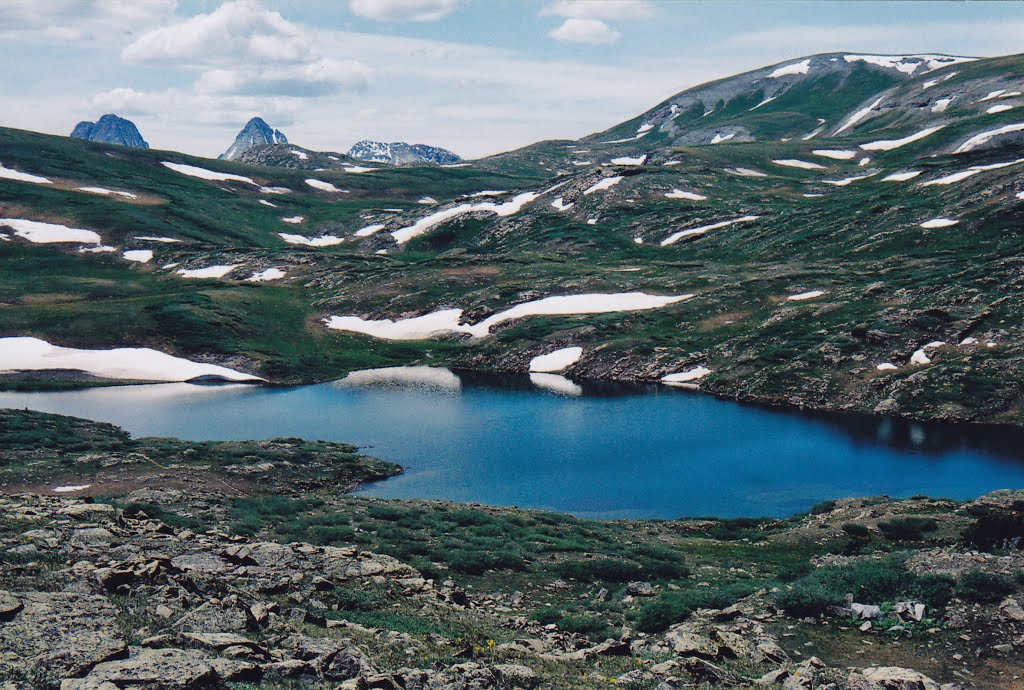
928	256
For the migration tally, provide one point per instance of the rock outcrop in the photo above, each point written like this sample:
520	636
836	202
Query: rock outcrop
110	129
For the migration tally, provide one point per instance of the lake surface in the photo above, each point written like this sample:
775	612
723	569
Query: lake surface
590	450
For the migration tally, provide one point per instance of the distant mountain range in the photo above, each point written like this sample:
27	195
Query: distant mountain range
111	129
401	153
255	133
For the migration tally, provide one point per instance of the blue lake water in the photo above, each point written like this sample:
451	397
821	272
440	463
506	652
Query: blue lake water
612	452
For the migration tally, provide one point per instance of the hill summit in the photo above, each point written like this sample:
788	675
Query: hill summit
255	133
111	129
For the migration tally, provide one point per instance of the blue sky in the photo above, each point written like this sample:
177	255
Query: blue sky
475	76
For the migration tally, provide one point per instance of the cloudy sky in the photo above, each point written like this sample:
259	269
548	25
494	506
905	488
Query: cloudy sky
475	76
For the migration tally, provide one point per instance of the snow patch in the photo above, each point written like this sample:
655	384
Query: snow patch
268	203
265	275
835	154
909	64
794	163
10	174
204	174
719	138
142	256
886	366
208	272
689	196
294	220
447	320
890	144
806	295
941	104
985	137
626	160
901	176
369	230
848	180
939	223
1001	108
746	172
970	172
672	239
321	241
324	186
48	233
70	489
801	67
423	225
162	240
556	361
686	376
603	184
764	102
560	205
129	363
858	116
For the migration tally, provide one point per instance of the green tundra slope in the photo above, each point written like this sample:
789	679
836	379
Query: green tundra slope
885	193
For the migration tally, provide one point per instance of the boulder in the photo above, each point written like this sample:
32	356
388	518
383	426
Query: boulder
153	669
866	612
1011	610
51	636
896	678
690	644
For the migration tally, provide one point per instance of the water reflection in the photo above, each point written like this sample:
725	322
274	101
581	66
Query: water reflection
617	450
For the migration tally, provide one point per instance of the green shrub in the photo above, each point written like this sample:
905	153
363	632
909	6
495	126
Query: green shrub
857	530
907	528
808	598
823	507
674	607
984	588
357	599
934	591
996	529
607	569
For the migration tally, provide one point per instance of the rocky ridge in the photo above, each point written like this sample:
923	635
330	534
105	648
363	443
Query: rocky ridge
110	129
99	598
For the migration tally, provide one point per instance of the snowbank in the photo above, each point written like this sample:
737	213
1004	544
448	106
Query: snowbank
806	295
890	144
901	176
626	160
794	163
204	174
939	223
686	376
801	67
672	239
130	363
836	154
423	225
603	184
985	137
448	320
369	230
293	220
557	360
209	272
142	256
689	196
324	186
48	233
10	174
265	275
321	241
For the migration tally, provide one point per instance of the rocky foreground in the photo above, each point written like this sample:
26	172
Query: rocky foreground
165	578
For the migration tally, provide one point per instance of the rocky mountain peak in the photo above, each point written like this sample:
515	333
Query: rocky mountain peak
401	153
255	133
110	129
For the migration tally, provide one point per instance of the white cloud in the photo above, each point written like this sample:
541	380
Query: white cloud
403	10
591	31
599	9
238	31
243	49
306	80
79	20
